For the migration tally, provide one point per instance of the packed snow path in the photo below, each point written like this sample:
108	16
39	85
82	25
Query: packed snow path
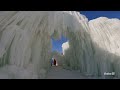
60	73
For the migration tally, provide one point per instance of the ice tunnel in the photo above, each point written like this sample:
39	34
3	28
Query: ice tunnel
25	43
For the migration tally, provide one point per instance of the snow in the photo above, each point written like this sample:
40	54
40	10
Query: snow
25	43
105	34
65	46
61	73
14	72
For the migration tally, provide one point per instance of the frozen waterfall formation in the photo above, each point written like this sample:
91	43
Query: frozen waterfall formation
25	43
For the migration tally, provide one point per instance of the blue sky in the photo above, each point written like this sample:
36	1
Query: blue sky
56	44
95	14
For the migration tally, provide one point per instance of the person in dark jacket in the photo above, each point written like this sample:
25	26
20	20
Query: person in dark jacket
54	62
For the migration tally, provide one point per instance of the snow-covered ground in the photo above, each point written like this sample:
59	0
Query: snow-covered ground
14	72
60	73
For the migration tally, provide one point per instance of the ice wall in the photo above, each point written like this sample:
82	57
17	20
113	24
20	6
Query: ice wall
25	36
95	49
105	34
25	40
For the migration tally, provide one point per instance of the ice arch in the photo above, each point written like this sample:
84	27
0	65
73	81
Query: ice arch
25	43
25	36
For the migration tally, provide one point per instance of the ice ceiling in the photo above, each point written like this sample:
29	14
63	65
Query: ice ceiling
25	43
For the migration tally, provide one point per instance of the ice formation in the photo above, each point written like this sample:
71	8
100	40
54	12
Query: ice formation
25	43
65	46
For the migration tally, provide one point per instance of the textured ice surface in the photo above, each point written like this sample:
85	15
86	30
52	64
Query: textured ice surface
25	40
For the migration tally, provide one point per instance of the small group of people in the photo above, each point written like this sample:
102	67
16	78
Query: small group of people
53	62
